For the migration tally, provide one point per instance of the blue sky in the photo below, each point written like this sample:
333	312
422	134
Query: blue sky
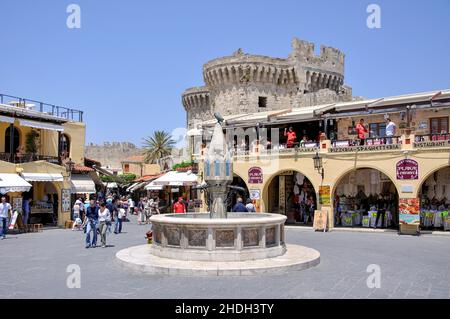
131	60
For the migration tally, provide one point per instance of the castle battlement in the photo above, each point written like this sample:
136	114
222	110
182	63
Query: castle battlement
242	82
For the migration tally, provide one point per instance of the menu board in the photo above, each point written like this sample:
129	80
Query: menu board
409	211
282	195
320	220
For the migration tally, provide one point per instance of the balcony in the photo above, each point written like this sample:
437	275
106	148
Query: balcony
26	158
39	109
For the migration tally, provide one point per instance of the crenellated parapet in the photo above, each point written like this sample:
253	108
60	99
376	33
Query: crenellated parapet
244	69
196	97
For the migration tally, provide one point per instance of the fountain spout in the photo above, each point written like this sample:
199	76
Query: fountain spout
218	172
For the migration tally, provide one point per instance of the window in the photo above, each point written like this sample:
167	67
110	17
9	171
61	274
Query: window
126	168
377	129
65	146
16	140
262	101
439	125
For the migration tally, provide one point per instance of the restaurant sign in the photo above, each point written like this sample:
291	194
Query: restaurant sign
255	175
407	169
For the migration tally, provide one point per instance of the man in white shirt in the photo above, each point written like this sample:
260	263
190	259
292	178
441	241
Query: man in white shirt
390	130
5	208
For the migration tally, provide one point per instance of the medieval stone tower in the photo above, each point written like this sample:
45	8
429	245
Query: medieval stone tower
244	83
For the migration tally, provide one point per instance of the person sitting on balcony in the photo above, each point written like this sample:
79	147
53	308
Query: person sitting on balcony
390	130
291	137
303	141
360	131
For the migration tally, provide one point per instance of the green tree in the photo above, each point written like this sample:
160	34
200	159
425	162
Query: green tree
127	177
157	146
31	145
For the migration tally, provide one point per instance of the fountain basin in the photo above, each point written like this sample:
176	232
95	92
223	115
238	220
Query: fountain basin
197	237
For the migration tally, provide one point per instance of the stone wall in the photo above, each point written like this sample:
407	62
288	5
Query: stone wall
111	153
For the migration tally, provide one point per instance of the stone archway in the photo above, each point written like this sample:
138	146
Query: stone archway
240	182
288	192
356	194
434	198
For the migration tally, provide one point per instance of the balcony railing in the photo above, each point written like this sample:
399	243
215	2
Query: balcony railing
26	158
368	141
432	137
41	107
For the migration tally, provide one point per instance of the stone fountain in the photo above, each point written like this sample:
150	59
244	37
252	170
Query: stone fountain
218	242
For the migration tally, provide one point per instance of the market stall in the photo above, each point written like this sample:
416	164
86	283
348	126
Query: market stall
45	196
178	184
360	195
435	201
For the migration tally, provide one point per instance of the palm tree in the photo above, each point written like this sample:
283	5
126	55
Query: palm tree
157	146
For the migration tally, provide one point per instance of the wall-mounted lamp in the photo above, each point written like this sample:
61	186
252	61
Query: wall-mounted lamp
318	165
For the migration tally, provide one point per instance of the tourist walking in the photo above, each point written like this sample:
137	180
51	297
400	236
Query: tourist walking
130	206
104	216
155	206
5	209
239	207
25	210
391	129
141	209
120	214
250	207
91	224
360	131
76	218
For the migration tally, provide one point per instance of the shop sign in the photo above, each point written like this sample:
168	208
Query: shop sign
65	201
17	203
255	175
174	190
366	148
431	144
407	169
255	194
325	195
409	211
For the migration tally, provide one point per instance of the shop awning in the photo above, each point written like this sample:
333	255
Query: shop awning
42	125
82	184
131	186
152	187
110	184
136	186
13	183
174	178
43	177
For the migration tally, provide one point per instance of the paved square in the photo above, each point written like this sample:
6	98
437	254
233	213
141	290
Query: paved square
411	267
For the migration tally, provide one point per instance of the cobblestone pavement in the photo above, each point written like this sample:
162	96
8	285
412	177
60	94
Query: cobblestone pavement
35	266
